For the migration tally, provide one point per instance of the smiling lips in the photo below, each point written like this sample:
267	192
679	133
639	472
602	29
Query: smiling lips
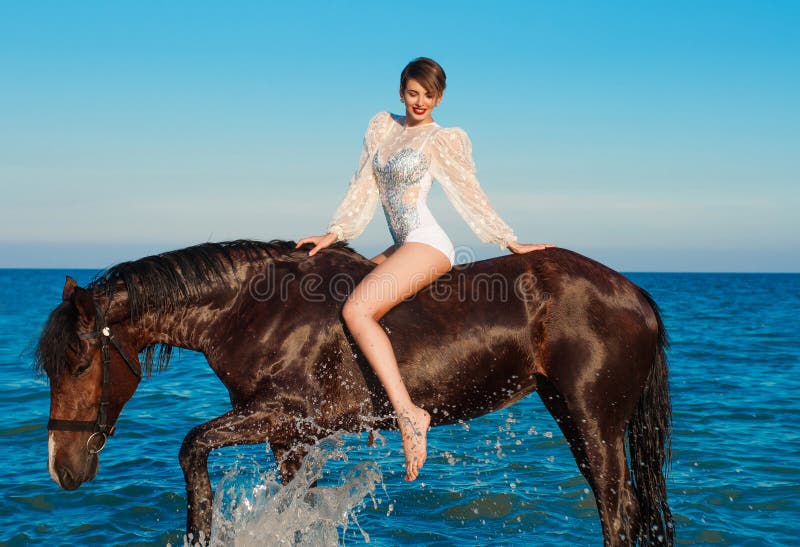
418	111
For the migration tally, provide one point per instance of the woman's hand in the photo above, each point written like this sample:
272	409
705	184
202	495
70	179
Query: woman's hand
522	248
320	242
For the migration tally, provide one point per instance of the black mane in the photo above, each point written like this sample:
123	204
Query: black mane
162	282
168	279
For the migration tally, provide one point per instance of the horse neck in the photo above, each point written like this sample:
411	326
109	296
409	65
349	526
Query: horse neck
195	324
180	327
186	325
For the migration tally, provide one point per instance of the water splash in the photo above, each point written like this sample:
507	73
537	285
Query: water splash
298	513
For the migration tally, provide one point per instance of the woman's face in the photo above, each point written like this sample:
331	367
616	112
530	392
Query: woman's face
419	103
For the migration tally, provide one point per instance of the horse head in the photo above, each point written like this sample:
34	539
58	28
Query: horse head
91	343
92	375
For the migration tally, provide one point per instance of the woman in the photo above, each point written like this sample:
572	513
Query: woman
400	157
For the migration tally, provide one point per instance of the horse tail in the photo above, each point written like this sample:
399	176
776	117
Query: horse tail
650	448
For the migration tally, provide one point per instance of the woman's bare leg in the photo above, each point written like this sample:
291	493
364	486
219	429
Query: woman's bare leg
409	268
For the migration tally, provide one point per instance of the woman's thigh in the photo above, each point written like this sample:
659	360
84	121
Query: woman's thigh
407	270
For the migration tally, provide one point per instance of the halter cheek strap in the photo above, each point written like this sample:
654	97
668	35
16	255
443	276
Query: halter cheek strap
100	427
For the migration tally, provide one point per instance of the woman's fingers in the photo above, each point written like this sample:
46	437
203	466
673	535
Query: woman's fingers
318	246
328	239
521	248
312	239
320	242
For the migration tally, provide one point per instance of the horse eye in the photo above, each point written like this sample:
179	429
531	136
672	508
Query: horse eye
83	369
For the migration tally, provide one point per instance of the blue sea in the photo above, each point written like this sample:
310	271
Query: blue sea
507	478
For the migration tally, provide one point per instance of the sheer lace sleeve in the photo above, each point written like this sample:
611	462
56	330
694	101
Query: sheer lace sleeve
452	166
359	203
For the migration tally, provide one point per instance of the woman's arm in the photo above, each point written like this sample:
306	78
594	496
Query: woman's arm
453	167
358	206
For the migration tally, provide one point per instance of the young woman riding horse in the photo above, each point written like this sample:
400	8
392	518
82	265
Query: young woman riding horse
587	339
400	157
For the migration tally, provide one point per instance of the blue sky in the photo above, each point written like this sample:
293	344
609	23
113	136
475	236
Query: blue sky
652	136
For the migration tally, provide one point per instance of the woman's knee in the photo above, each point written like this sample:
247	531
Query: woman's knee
353	311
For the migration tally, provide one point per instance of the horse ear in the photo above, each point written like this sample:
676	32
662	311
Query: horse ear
83	302
69	289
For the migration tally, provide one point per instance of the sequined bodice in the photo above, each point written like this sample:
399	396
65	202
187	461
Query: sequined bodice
403	187
396	167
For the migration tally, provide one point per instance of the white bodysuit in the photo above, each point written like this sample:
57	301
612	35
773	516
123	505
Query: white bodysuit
397	166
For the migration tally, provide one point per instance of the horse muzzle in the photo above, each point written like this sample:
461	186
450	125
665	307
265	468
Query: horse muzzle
69	467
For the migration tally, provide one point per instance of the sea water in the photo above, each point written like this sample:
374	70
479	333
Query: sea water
507	478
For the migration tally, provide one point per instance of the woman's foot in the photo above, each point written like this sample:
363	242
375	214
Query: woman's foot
414	424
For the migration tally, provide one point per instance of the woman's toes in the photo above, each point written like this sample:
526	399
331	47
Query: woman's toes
414	426
411	471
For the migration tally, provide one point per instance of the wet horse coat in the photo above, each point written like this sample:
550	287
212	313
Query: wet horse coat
267	318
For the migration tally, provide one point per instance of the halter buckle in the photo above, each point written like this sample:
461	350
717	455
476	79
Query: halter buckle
89	447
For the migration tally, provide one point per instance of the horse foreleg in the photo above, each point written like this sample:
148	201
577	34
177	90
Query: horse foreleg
599	451
250	424
289	459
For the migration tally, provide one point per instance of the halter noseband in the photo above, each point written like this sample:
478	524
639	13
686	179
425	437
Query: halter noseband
100	426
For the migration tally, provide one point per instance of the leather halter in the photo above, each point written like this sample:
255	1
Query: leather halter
100	426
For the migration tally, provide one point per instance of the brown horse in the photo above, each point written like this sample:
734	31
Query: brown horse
267	318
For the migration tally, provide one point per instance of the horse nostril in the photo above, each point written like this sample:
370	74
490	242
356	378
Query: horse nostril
68	479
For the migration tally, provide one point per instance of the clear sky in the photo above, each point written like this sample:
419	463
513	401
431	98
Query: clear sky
652	136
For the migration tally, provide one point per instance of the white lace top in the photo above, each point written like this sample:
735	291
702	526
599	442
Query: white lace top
450	153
